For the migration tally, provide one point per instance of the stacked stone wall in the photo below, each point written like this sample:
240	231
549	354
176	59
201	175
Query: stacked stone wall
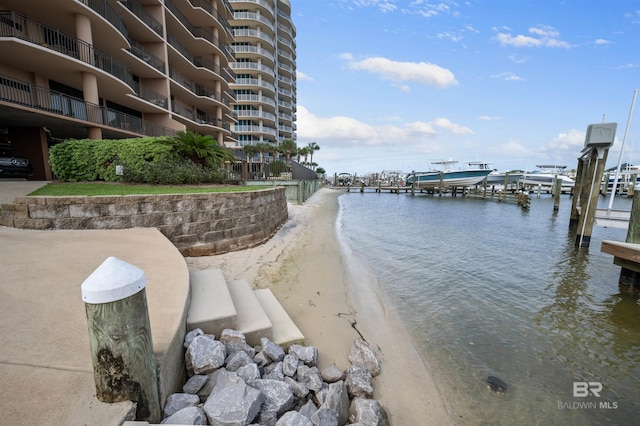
197	224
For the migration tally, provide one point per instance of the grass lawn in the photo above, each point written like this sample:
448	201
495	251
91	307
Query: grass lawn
98	188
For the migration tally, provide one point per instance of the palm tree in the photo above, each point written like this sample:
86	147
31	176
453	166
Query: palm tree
250	151
201	149
312	147
288	147
303	152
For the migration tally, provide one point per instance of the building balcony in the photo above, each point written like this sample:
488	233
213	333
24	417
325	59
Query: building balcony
240	33
254	82
255	98
253	51
29	97
252	16
247	4
253	129
143	16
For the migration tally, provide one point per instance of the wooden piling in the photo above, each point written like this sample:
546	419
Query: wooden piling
120	337
588	210
557	189
577	188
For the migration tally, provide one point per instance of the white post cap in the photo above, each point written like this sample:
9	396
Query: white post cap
114	280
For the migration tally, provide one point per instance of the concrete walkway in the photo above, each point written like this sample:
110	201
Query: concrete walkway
46	373
12	188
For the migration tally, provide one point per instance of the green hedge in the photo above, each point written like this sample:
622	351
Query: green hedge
145	160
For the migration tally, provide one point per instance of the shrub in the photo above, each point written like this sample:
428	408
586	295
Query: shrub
175	171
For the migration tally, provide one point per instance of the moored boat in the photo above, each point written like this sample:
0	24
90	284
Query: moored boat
447	177
545	176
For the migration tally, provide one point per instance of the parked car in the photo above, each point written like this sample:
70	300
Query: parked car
11	166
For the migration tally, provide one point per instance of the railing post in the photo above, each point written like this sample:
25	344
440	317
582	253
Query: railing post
124	365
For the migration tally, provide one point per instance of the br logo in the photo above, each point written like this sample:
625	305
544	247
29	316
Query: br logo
583	389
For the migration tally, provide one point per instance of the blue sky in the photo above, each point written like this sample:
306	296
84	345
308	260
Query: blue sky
398	84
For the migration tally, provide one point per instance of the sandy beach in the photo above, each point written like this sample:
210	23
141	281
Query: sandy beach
332	303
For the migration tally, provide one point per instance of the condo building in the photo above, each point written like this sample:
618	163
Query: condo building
110	69
265	67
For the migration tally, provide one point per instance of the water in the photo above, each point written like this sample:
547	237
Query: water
486	288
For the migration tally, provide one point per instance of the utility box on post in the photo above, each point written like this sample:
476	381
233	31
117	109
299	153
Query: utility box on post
124	364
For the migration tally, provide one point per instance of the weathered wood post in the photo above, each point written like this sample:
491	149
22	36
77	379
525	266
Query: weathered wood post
557	189
413	183
599	139
577	192
124	365
441	184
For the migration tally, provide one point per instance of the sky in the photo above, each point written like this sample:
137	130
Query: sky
399	84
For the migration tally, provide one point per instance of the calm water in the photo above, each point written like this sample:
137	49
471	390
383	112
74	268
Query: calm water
486	288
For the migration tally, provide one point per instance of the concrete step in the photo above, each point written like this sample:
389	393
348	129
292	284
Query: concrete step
285	332
211	308
252	319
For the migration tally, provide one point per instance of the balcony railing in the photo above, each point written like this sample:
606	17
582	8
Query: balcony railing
46	100
239	16
102	8
196	116
248	32
255	98
144	16
206	5
253	50
138	50
15	25
262	3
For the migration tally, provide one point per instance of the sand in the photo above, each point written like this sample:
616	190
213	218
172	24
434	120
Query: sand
333	303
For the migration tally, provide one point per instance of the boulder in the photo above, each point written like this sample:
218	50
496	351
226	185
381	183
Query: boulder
367	412
178	401
186	416
331	374
195	383
290	364
299	390
362	355
188	338
231	401
235	341
273	351
308	409
205	354
248	373
273	372
306	354
309	377
278	396
293	418
337	399
237	360
325	417
359	382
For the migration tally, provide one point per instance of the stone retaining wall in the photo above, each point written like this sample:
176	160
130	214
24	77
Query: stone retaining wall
197	224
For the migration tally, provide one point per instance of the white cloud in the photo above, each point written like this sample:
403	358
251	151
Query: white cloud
488	118
421	72
302	76
346	131
507	76
602	42
571	140
541	36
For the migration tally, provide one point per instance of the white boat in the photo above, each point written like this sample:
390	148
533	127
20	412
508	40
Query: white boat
545	176
447	177
498	178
